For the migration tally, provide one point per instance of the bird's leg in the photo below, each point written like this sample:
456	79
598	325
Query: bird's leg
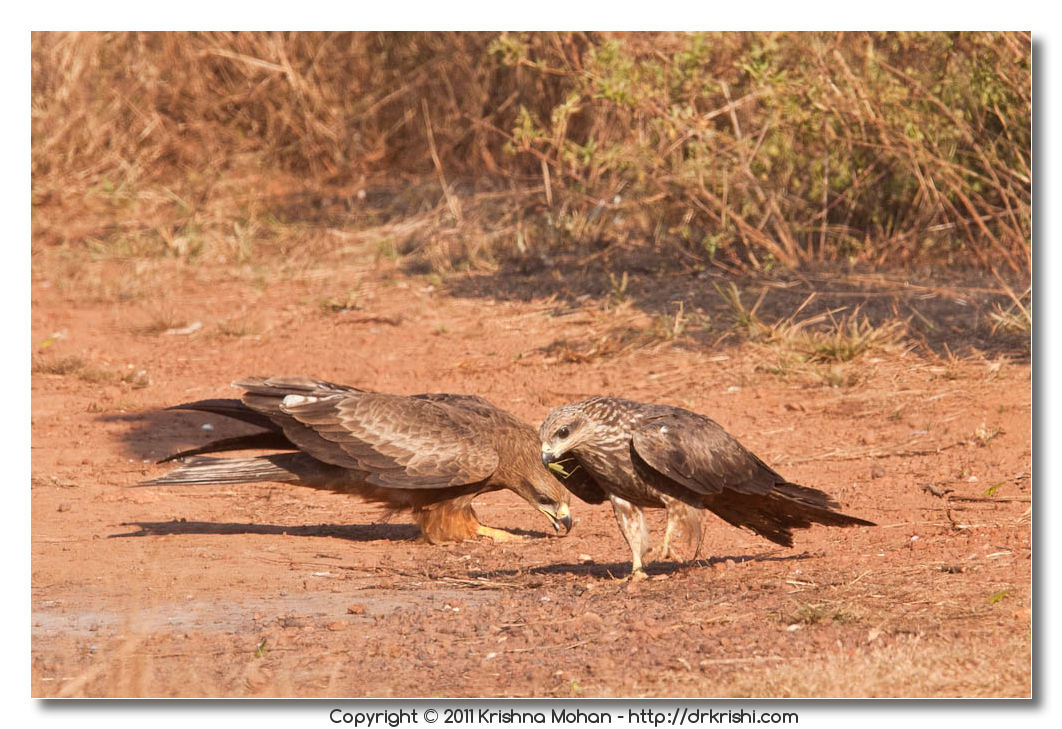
684	523
631	522
454	520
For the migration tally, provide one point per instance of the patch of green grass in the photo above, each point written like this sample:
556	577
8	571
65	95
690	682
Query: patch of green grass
998	596
991	490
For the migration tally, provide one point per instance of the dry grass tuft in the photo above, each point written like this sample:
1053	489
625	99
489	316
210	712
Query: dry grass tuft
985	434
1014	319
74	365
817	346
845	339
905	667
59	366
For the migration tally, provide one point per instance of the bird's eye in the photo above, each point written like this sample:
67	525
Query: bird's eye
563	432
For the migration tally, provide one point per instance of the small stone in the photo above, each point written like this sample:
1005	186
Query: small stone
356	609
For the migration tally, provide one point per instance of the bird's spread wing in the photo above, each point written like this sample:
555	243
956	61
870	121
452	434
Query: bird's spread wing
698	454
400	442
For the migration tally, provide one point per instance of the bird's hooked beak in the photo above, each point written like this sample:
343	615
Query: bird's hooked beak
562	517
562	465
549	457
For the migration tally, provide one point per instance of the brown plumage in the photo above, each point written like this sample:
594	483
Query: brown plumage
431	454
639	456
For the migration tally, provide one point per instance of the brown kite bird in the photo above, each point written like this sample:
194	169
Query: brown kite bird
640	456
432	454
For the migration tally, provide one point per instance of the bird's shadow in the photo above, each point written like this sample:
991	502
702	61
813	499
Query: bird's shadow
157	434
614	570
350	532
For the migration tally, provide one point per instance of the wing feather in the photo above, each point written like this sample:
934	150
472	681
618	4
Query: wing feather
698	454
400	442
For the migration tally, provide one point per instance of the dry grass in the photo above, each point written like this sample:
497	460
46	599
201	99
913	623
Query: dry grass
844	339
68	365
819	346
907	666
887	664
752	150
86	372
1014	319
985	434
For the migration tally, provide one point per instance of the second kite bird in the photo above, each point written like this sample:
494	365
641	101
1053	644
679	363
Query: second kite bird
639	455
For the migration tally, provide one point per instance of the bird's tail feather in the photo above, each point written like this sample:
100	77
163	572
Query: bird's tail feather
282	467
230	408
254	441
787	507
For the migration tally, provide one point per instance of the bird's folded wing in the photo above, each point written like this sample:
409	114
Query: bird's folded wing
398	441
697	453
279	387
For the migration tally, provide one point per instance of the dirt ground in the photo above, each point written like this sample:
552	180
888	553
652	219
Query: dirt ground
273	590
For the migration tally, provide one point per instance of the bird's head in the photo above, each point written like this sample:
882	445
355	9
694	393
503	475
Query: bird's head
524	475
563	430
549	496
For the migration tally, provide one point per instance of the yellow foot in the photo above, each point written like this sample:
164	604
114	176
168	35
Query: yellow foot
664	554
638	575
498	535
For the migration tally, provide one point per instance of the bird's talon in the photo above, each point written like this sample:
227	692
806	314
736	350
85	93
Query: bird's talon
499	535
